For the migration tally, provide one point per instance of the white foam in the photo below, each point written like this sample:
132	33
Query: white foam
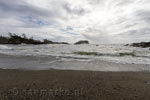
3	47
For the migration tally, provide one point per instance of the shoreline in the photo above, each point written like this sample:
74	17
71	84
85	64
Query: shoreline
75	85
62	63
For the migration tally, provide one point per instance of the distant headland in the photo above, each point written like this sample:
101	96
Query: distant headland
23	39
16	39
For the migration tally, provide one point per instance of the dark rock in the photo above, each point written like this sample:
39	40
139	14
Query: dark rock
82	42
126	44
141	44
51	42
60	43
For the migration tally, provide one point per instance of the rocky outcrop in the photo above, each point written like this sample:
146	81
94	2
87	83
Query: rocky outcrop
82	42
60	43
141	44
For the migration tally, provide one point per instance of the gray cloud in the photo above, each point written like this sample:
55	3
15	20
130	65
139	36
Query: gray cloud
22	8
144	15
77	10
100	21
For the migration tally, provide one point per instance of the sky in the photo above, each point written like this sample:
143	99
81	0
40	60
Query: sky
99	21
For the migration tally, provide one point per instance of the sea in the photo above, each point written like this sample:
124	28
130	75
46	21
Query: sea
118	53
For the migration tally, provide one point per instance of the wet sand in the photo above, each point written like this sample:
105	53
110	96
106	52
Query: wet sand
73	85
65	63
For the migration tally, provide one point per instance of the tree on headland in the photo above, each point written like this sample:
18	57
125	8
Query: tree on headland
16	39
46	41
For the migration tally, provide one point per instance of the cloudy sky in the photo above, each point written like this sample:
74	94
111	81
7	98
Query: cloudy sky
99	21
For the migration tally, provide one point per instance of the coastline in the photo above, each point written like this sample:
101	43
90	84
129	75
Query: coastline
64	63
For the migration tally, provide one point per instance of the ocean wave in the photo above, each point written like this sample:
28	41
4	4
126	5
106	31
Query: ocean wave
115	53
4	47
121	54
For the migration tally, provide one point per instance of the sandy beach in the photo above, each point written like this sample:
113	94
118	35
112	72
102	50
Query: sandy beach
73	85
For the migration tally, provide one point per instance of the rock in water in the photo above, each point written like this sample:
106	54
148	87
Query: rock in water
142	44
82	42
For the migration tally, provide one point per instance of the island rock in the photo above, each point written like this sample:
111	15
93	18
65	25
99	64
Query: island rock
82	42
141	44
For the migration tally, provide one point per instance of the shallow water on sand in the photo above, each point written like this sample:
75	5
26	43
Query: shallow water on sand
53	62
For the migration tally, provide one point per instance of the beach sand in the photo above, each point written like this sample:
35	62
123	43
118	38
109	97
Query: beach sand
73	85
